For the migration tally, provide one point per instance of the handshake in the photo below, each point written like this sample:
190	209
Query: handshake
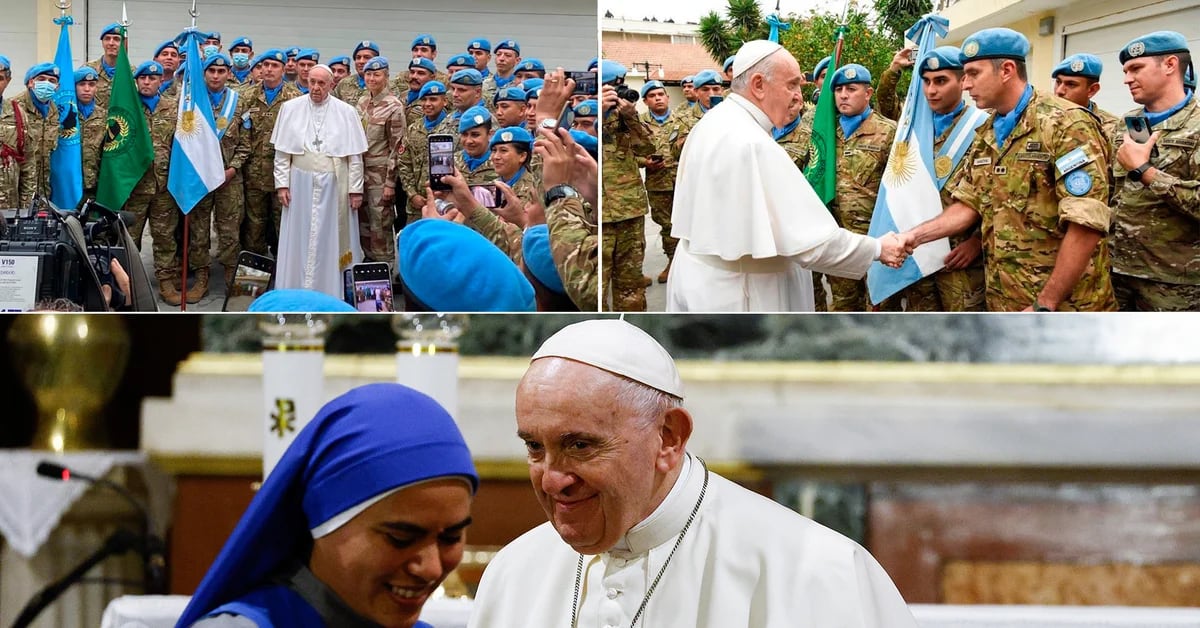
895	248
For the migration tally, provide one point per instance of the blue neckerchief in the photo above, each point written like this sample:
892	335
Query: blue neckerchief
513	181
165	85
473	163
502	82
942	121
1156	118
850	124
107	69
412	95
151	102
480	104
86	110
303	89
1003	125
661	119
791	126
432	124
42	107
216	98
241	76
362	82
271	92
485	73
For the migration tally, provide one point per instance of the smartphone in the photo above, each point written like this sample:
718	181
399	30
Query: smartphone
585	83
488	195
713	101
372	287
566	119
255	275
441	160
1139	131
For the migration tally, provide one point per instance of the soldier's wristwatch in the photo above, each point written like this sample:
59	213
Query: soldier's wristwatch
548	123
1136	174
558	192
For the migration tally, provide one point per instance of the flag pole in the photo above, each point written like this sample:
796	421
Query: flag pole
187	216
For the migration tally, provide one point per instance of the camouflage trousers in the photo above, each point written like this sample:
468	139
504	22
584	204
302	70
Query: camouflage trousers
163	215
376	221
1146	295
820	296
226	202
9	194
849	295
260	227
660	213
624	251
944	291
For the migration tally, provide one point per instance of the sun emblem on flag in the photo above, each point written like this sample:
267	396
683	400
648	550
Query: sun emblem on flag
187	122
284	417
901	164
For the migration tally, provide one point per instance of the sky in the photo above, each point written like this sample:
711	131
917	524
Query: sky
692	10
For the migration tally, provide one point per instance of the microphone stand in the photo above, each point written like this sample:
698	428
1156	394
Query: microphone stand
117	543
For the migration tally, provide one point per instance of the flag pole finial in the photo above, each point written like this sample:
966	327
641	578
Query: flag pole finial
193	13
63	6
124	16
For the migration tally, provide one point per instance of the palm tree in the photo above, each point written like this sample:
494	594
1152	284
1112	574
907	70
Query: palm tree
722	37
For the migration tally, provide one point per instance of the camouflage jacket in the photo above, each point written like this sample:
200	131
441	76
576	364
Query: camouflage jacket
887	101
235	146
259	168
172	90
1157	226
104	84
624	141
485	173
574	246
348	90
860	166
399	85
798	142
412	165
684	121
682	107
41	138
162	135
94	130
16	172
660	134
1023	196
384	122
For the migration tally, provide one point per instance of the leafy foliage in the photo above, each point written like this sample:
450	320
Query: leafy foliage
896	16
811	38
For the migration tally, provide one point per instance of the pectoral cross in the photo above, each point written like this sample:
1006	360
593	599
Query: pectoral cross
317	142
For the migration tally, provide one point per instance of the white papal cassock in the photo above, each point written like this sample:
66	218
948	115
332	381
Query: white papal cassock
745	562
750	227
318	157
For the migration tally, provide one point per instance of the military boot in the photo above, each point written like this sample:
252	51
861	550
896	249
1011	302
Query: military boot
169	294
662	277
199	287
229	273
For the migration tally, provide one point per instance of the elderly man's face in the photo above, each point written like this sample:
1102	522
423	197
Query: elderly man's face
595	465
387	561
320	83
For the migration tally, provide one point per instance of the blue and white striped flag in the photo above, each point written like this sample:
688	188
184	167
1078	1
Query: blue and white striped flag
66	161
908	195
196	164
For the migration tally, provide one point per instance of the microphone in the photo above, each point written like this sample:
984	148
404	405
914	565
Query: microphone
153	549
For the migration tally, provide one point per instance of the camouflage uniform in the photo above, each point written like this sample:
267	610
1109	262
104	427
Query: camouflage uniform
93	131
150	199
226	202
1023	200
1156	241
349	90
660	185
172	90
860	165
887	101
798	144
16	172
625	139
681	107
260	231
383	120
103	85
506	236
413	165
684	121
573	245
399	85
41	138
484	174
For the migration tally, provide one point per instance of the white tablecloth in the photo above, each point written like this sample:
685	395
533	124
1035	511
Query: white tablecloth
161	611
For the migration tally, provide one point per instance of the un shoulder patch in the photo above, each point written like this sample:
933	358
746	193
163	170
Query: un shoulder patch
1078	183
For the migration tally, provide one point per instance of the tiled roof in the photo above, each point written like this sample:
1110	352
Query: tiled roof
677	60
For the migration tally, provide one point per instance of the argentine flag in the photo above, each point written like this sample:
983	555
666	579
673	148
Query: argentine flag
908	195
196	164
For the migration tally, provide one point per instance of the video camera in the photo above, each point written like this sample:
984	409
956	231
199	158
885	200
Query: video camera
48	254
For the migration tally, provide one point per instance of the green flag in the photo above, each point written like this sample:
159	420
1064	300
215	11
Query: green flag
822	165
128	150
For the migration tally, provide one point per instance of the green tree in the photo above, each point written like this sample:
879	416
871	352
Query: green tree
722	37
811	38
897	16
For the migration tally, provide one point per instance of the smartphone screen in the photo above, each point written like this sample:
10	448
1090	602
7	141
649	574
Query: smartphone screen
372	287
566	119
441	160
585	83
487	195
251	279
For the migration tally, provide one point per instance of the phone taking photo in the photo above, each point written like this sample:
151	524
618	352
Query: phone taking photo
441	160
371	287
488	195
255	274
585	83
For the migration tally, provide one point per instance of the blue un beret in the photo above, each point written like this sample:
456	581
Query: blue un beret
84	73
940	58
531	65
298	300
342	60
241	41
5	64
470	76
533	87
652	85
274	54
451	268
422	62
111	29
728	63
219	59
1083	64
510	93
587	141
473	117
706	77
512	135
308	53
851	73
170	43
293	51
214	35
366	44
376	63
995	43
1153	45
509	44
689	79
593	63
610	71
479	44
40	69
148	68
460	60
587	108
822	65
535	247
424	39
435	88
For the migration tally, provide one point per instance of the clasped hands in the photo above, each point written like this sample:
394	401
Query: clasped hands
895	248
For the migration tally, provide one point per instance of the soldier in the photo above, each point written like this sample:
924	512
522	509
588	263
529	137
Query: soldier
625	139
707	83
424	45
474	162
510	149
105	66
92	127
530	68
585	116
533	90
241	51
459	62
466	91
306	59
211	44
340	67
508	55
819	77
16	171
41	126
1156	241
481	51
351	88
414	162
291	69
167	55
383	119
150	200
509	105
864	139
687	84
420	72
660	166
1077	79
260	232
727	71
1037	174
796	139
